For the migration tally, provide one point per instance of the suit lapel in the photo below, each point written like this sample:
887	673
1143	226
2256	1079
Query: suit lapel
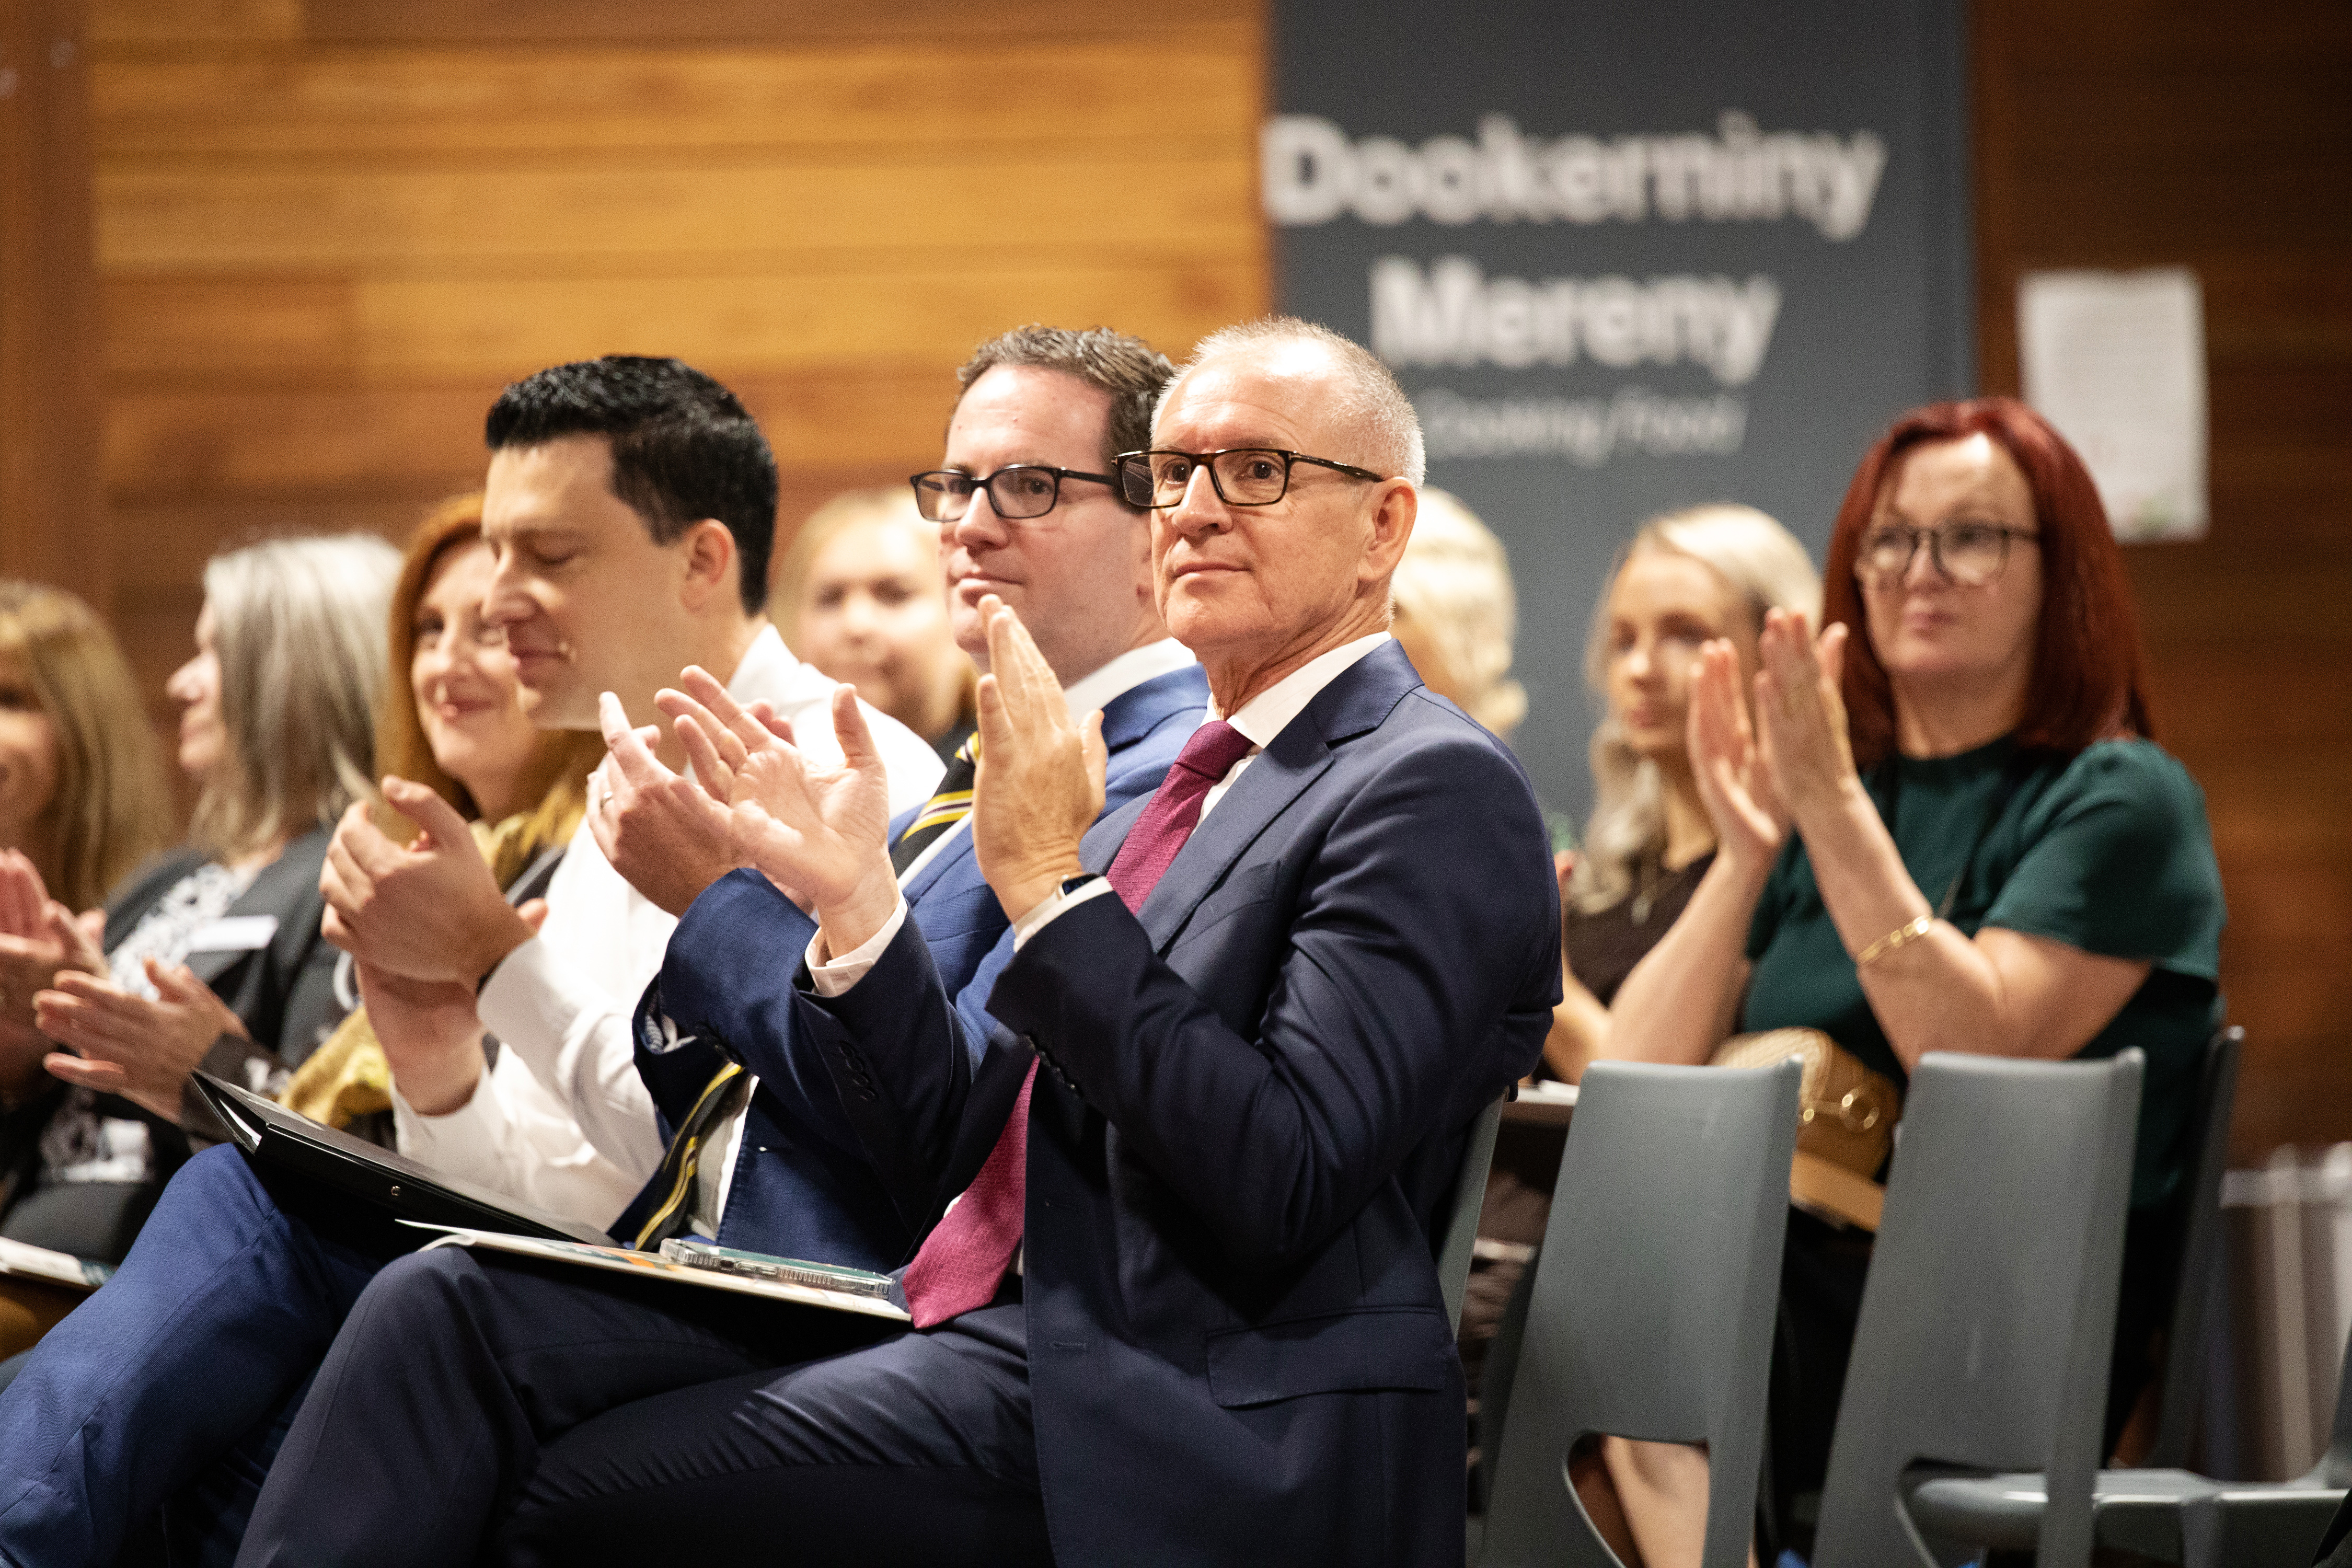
958	853
1137	711
1274	779
1355	703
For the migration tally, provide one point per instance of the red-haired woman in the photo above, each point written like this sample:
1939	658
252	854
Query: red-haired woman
1950	829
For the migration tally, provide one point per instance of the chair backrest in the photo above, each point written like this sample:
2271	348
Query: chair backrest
1653	1301
2335	1466
2200	1236
1985	1323
1462	1222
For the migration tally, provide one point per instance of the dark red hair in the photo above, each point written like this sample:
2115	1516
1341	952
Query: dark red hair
2089	679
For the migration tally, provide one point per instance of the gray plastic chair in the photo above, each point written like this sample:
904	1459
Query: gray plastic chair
1988	1316
2201	1243
2146	1509
2173	1515
1469	1200
1653	1301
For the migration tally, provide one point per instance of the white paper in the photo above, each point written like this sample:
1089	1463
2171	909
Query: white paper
2116	362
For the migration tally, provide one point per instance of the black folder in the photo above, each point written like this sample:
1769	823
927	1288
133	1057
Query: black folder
276	1136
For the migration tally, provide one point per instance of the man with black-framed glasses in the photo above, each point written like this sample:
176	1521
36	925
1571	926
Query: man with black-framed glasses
1179	1148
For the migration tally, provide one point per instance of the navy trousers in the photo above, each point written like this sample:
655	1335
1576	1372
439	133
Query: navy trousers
478	1407
169	1389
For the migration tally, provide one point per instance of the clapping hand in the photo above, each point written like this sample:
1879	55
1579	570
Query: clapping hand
664	832
140	1048
429	909
1040	782
38	937
431	1036
820	834
1800	716
1732	771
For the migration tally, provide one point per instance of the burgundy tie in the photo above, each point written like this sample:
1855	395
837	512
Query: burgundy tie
961	1262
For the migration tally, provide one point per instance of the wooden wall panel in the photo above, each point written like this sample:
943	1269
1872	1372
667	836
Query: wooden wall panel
2160	132
328	231
51	514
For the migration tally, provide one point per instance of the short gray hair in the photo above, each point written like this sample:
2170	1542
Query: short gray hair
299	628
1371	403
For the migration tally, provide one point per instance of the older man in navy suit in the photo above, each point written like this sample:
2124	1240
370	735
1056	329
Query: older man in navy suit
1185	1307
759	1156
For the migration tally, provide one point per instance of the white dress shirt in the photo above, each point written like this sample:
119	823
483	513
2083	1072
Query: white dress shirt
716	1173
562	1121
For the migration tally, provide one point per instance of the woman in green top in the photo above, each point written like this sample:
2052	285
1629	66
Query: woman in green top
1950	833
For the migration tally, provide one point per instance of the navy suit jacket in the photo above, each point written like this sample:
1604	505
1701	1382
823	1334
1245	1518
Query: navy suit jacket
1253	1100
803	1185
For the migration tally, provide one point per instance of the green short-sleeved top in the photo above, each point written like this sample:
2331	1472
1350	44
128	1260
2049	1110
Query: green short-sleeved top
2108	851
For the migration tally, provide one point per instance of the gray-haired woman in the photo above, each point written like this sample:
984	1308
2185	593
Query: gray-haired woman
211	956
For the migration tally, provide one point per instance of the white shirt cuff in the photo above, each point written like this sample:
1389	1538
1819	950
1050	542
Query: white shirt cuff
473	1126
1042	915
833	977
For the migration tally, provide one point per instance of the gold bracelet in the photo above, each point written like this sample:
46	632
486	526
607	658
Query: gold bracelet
1908	932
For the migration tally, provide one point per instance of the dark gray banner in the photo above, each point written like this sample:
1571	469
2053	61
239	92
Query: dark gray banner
1628	258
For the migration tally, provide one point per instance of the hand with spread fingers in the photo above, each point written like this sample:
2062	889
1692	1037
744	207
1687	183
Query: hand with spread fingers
429	909
1733	771
1040	782
1801	715
662	830
819	834
142	1048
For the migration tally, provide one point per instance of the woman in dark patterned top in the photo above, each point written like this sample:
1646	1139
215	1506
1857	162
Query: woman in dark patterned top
211	955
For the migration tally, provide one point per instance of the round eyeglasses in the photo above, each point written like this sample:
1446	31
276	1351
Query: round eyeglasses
1018	492
1243	476
1967	554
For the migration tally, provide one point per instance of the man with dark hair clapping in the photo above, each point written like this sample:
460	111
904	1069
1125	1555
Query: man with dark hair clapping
1184	1307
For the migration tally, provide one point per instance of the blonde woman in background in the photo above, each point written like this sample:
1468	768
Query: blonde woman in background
452	718
860	595
1686	579
212	956
1456	613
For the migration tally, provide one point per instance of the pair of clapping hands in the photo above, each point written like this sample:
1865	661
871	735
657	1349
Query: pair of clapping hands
752	798
1759	776
55	990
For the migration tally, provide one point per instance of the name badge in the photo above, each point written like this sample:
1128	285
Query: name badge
234	933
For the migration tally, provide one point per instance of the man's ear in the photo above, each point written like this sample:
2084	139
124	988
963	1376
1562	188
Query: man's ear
713	563
1394	507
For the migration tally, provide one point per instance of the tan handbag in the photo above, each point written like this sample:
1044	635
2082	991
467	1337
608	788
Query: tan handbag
1845	1121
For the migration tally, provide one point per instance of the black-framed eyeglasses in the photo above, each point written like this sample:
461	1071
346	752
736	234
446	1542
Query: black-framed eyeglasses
1016	491
1243	476
1968	555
